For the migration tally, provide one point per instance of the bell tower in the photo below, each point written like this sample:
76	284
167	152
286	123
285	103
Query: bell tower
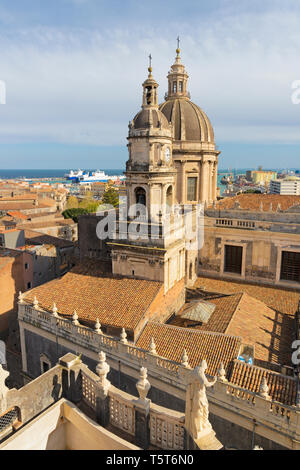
152	244
150	173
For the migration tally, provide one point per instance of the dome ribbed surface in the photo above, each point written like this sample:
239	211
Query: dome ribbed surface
143	118
189	121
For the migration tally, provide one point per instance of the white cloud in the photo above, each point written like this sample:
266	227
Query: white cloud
83	86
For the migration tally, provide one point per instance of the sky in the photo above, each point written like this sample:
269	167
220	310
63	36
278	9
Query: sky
73	71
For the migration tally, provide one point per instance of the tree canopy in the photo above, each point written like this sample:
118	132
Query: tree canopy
110	196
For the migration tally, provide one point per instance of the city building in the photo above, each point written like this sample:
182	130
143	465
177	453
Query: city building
16	274
287	186
261	177
253	237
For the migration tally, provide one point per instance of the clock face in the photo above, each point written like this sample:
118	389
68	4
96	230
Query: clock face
167	155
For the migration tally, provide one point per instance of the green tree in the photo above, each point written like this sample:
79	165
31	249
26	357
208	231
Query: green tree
110	196
72	202
74	213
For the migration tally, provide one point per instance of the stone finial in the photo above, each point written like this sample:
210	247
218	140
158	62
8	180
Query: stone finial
123	336
20	298
185	359
102	370
264	389
143	385
152	347
222	373
279	207
54	310
271	207
98	327
35	302
75	318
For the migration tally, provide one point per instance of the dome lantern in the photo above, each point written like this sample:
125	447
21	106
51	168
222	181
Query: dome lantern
177	78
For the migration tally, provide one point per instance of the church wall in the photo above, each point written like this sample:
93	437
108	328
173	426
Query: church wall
261	252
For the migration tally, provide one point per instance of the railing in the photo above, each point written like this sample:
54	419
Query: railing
121	414
236	223
166	432
88	390
164	370
280	411
241	394
168	365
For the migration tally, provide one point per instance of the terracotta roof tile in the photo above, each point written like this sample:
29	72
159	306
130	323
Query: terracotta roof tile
253	202
282	300
116	301
264	317
281	387
171	341
38	238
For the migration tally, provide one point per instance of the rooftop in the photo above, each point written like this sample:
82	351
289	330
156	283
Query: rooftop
245	316
38	238
116	301
171	341
281	387
259	202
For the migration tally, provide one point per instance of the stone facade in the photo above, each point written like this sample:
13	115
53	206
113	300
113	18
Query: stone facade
263	237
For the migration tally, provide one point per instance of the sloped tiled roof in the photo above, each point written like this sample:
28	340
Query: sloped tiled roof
171	341
116	301
38	238
281	387
265	317
282	300
254	202
220	318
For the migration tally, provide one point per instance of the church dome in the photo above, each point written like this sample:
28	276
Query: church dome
150	117
189	121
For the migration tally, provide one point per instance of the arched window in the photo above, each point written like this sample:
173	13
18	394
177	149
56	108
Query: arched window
169	198
140	196
191	271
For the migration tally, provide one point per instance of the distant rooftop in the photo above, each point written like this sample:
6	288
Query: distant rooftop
258	202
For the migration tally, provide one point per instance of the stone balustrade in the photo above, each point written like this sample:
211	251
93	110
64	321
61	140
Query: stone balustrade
223	397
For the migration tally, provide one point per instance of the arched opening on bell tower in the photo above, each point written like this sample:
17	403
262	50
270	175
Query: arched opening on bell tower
169	198
140	196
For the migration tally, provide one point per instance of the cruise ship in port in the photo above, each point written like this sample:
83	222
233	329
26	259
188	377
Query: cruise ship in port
80	176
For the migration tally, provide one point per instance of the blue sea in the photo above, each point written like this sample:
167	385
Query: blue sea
39	174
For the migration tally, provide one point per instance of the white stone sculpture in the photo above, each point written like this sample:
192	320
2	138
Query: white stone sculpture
196	414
